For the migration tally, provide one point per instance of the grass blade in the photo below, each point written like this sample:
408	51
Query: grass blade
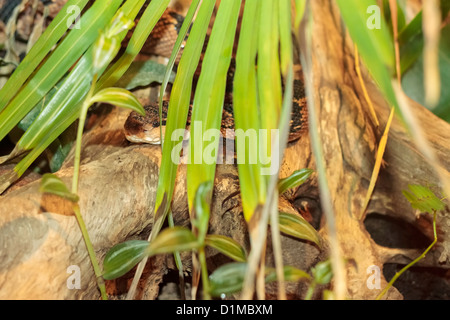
143	29
64	56
245	101
41	48
374	44
297	226
294	180
378	162
176	120
176	49
227	246
178	112
63	107
209	98
123	257
119	97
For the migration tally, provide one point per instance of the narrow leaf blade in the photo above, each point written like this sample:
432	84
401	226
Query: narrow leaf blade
227	279
227	246
294	180
119	97
202	209
322	272
52	184
296	226
290	274
123	257
172	240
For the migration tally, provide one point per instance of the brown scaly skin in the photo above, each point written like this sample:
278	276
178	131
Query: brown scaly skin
146	129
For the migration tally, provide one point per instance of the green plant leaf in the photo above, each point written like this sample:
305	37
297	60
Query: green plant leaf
58	63
296	226
63	107
227	279
322	272
290	274
187	23
119	97
413	78
60	148
201	209
178	112
227	246
423	199
411	39
269	80
294	180
143	73
52	184
245	102
123	257
172	240
374	44
299	11
209	98
104	50
40	49
147	22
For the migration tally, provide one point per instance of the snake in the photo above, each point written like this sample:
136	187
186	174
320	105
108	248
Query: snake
147	128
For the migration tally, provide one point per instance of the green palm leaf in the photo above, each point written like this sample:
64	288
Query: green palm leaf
209	98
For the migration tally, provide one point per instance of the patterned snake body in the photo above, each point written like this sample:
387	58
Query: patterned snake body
146	129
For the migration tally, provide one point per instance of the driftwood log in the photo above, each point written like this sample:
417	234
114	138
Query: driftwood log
349	139
40	239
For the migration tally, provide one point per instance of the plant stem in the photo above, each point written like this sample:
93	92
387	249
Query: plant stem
83	113
310	291
204	270
398	274
91	252
76	173
178	261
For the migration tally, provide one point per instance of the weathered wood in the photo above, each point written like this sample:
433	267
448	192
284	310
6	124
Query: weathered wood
349	138
40	238
118	183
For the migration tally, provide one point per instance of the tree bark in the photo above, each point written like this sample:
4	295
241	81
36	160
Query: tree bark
349	140
40	239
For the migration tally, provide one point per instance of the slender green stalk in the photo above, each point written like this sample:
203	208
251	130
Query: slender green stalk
91	252
76	173
310	291
204	271
398	274
178	261
83	113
